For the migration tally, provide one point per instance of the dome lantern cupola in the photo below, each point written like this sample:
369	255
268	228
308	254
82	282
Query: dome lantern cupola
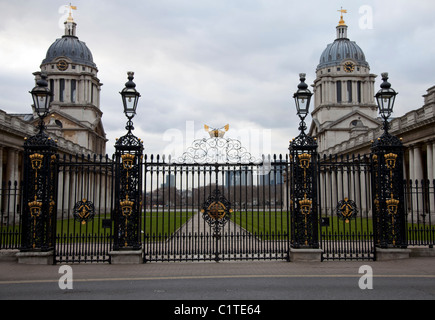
70	25
343	92
342	27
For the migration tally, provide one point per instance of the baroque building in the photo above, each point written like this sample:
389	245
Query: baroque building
345	120
75	118
72	77
344	104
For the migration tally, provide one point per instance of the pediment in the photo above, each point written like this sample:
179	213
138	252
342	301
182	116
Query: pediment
351	120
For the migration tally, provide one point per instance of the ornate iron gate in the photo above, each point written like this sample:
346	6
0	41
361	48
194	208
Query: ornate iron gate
84	209
345	208
215	203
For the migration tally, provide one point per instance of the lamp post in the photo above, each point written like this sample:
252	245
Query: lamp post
128	188
39	193
387	181
302	182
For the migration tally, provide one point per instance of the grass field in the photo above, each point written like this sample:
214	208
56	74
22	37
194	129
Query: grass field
262	222
163	224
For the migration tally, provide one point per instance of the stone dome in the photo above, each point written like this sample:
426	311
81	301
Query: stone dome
72	48
340	50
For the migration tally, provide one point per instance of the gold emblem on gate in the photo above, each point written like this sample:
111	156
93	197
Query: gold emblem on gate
347	210
35	208
36	161
305	205
304	160
216	210
83	211
392	206
126	207
127	161
390	160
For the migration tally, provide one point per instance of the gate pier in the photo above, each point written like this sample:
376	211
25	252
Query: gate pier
127	246
40	188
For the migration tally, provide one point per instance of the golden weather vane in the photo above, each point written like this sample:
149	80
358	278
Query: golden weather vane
70	7
342	23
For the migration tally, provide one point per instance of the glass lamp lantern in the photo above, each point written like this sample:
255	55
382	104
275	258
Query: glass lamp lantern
130	97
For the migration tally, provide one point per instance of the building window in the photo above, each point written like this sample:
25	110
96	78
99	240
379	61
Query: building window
359	91
321	94
52	89
61	89
92	93
73	90
338	84
349	91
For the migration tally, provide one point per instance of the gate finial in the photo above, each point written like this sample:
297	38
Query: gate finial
217	133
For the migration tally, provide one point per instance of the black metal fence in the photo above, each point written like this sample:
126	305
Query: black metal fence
11	206
420	205
177	221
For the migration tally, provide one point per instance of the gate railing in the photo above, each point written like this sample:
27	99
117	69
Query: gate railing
420	212
85	207
10	215
345	207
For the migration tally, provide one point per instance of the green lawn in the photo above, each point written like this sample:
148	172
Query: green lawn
162	224
263	223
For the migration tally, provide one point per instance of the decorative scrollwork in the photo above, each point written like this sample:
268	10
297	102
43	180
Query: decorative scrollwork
129	141
303	141
217	150
39	140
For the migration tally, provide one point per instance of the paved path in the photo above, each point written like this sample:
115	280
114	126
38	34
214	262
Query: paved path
195	240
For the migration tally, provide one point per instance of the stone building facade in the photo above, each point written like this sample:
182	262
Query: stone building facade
75	118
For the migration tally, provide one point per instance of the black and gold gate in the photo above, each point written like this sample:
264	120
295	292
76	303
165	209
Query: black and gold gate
346	208
216	203
84	209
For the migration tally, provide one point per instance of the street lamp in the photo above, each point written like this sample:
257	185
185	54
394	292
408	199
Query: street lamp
128	177
130	97
41	99
385	99
388	188
302	177
302	99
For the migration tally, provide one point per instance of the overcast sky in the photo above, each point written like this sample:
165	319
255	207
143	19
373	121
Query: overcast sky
215	62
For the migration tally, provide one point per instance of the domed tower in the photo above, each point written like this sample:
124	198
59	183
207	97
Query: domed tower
344	104
72	78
